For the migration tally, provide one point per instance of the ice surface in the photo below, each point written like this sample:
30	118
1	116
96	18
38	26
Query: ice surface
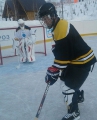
21	90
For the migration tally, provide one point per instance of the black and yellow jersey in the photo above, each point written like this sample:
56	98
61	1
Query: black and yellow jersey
70	48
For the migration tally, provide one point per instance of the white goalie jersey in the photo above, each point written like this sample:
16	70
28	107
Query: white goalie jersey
26	44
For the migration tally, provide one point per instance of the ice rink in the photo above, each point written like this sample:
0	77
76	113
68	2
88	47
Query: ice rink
21	90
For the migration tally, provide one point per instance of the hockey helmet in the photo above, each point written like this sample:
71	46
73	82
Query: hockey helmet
47	9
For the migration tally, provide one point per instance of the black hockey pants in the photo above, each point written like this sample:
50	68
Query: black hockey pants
74	77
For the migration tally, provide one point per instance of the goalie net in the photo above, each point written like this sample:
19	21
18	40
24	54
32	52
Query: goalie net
10	51
40	45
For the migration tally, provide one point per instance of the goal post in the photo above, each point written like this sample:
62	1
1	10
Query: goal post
7	38
40	45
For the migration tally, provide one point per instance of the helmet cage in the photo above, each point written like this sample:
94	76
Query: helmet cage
42	21
48	10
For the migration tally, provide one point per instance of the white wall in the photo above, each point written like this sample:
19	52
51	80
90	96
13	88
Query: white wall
85	27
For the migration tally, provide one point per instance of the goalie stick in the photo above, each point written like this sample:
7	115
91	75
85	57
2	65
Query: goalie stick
16	47
42	101
18	66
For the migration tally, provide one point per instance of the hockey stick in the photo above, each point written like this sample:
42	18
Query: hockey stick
42	102
18	66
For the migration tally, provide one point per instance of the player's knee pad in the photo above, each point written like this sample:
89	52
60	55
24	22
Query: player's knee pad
68	94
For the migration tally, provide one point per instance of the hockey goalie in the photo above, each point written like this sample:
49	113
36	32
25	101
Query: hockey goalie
26	42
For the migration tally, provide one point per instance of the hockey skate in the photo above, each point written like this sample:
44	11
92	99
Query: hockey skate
81	97
72	114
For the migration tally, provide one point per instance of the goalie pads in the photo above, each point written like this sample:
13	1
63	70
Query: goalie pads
30	50
30	53
22	51
26	50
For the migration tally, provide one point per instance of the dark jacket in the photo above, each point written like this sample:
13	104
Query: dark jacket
70	48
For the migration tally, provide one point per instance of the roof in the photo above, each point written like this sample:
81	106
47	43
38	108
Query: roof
22	6
10	4
31	5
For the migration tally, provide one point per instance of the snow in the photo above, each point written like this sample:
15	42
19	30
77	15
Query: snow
86	10
21	90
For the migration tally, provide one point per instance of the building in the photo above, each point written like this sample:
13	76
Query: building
25	9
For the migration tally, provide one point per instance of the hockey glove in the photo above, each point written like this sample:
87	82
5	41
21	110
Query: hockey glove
33	38
52	75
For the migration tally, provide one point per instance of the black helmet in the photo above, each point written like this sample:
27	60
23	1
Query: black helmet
47	9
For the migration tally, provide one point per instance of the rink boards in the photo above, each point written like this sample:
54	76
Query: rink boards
7	31
8	45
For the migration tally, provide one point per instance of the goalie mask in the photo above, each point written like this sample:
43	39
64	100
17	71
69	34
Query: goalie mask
47	14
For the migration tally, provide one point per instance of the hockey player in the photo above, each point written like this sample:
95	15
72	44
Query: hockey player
26	42
72	56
